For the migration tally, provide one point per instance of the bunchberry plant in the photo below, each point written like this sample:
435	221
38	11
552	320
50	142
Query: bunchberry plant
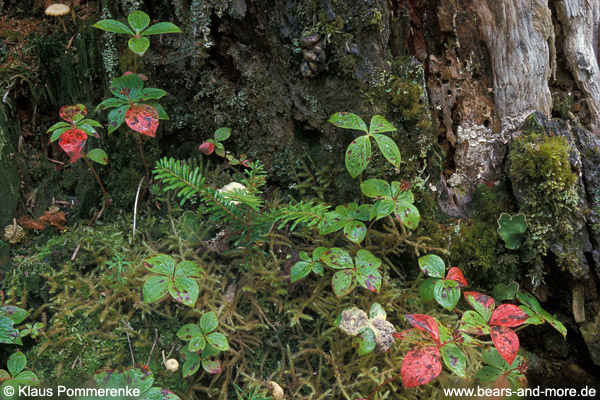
9	316
72	136
498	372
138	31
179	281
396	199
204	342
446	291
136	106
350	218
370	331
358	153
135	377
362	271
215	145
32	330
16	374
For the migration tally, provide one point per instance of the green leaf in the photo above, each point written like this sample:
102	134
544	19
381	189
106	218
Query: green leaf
128	85
98	155
332	222
111	25
389	149
185	290
407	214
191	363
161	264
218	340
27	378
222	134
317	268
90	122
337	258
197	343
343	282
57	133
138	20
209	322
155	288
209	351
111	102
116	118
379	125
59	125
493	358
4	375
432	265
152	93
382	208
160	28
16	314
512	230
426	288
366	342
376	188
356	231
220	149
487	374
556	324
300	270
162	114
139	45
474	324
504	292
188	332
446	293
16	363
529	300
8	334
358	155
454	359
188	269
348	121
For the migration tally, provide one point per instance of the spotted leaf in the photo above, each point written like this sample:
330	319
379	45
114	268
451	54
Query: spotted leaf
447	293
506	342
432	265
424	323
358	155
185	290
482	303
508	315
456	275
72	142
420	366
142	118
73	113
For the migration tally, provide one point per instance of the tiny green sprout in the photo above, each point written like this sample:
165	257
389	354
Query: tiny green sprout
137	30
32	330
119	264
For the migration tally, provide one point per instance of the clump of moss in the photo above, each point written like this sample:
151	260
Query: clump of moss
546	187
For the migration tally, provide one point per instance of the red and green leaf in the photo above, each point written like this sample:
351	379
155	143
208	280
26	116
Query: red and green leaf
506	342
142	118
207	148
424	323
420	366
73	113
508	315
456	275
72	142
482	303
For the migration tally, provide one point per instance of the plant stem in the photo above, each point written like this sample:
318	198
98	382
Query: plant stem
139	140
106	197
135	63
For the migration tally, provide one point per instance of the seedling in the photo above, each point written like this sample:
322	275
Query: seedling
179	282
203	342
138	30
358	153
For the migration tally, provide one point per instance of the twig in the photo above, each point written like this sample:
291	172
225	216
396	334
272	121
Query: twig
75	252
153	345
137	196
130	348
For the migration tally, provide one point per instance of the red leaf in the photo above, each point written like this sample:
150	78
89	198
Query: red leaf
142	118
68	113
207	148
420	366
424	323
72	142
506	342
456	274
508	315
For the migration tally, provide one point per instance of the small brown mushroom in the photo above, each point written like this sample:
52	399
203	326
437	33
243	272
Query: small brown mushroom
58	10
